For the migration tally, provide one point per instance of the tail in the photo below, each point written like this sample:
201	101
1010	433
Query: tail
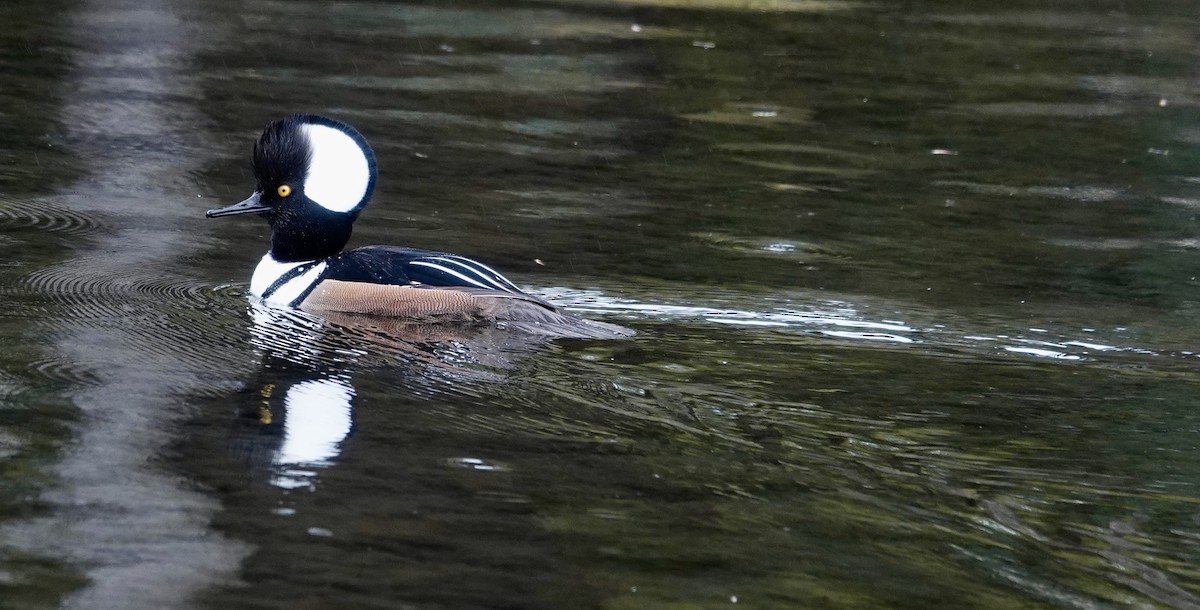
535	316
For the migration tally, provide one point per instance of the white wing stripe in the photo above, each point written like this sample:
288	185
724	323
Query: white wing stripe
473	271
493	272
481	271
451	272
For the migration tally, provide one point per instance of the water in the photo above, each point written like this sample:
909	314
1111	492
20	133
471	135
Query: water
915	288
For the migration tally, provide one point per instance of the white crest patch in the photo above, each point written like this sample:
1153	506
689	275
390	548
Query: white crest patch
338	172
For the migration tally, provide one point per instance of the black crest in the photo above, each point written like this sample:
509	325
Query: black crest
281	154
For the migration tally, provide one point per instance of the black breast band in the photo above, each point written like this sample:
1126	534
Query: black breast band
288	276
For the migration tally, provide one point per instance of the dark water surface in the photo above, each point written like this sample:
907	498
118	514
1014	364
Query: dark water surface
915	285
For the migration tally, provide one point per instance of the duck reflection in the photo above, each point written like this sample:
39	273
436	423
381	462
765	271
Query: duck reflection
299	411
317	416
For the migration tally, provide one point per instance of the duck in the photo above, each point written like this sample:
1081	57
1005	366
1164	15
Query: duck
314	176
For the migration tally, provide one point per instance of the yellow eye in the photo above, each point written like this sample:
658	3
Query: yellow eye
284	190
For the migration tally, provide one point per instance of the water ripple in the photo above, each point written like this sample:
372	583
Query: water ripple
839	319
1087	193
44	215
834	314
154	311
80	287
56	369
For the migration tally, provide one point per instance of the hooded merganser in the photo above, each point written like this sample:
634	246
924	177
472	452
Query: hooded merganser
315	175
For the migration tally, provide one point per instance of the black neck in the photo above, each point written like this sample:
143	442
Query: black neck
306	241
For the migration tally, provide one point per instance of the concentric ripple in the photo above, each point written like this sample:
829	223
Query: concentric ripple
45	215
77	286
163	315
55	369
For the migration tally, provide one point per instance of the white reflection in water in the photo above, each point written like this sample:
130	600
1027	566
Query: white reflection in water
305	379
845	334
1044	353
1092	346
317	420
317	409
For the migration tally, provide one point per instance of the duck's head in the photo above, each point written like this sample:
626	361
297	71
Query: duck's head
314	176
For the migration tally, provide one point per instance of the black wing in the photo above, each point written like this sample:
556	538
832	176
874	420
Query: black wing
393	265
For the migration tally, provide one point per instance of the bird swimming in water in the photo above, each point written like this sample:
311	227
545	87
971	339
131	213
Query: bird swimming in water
314	176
